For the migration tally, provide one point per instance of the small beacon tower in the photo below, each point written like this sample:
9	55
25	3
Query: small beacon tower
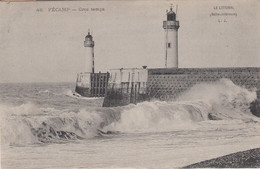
171	26
89	61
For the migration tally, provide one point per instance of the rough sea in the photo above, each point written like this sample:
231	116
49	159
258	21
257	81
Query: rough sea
46	125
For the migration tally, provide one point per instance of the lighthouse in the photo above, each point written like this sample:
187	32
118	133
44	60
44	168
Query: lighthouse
89	59
89	83
171	26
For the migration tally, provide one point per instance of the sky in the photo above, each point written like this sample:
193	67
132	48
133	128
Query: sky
48	46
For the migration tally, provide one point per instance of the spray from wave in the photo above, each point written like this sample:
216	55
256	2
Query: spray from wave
66	92
28	123
221	100
224	98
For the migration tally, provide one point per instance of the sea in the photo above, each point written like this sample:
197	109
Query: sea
48	125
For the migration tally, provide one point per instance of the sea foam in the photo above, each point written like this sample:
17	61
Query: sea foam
221	101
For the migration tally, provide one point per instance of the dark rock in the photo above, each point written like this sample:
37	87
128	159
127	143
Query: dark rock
244	159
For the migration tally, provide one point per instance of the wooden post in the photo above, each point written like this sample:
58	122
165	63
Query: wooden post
131	92
106	83
91	84
99	86
93	81
96	80
139	84
128	82
102	85
121	85
132	89
135	94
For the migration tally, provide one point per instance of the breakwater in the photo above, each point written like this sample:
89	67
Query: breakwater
135	85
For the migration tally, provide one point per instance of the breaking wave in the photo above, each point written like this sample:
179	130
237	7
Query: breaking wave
27	124
222	101
78	96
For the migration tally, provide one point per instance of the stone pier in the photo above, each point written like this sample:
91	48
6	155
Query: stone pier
135	85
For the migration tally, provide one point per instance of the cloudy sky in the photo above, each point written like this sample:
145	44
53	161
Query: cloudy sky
48	46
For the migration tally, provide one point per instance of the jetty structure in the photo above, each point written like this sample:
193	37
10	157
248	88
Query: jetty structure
133	85
89	83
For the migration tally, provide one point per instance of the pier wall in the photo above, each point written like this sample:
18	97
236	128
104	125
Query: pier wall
83	84
127	86
166	84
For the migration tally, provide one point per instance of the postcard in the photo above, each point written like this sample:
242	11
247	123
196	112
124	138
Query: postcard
130	84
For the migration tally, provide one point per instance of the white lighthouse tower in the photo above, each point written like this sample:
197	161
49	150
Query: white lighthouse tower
171	26
89	61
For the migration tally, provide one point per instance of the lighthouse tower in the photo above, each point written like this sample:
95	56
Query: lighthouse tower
171	26
89	61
